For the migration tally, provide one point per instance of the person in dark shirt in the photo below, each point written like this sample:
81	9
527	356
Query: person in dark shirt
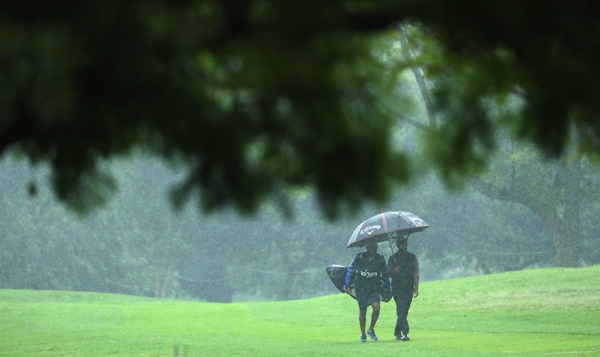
403	269
367	272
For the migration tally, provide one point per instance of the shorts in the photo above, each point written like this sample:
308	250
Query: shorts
366	298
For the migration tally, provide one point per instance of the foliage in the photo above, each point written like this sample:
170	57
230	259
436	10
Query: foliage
536	49
471	234
553	190
250	97
513	172
256	97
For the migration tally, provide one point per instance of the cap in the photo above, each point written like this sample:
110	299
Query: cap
401	240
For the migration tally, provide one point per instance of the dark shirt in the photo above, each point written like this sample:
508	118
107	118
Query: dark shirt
409	271
367	272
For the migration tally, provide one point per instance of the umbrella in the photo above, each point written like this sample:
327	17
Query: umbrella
386	226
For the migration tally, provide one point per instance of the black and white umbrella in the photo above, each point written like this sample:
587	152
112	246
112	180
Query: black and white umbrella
385	227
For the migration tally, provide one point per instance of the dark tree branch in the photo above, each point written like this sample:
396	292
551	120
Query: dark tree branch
417	72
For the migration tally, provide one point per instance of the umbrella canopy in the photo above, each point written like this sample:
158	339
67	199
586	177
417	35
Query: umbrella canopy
386	226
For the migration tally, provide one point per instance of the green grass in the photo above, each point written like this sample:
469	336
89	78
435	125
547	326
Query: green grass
547	312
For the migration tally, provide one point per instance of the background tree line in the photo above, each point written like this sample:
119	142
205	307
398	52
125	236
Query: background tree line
138	245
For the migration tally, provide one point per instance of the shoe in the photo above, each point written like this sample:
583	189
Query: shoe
372	334
363	338
403	338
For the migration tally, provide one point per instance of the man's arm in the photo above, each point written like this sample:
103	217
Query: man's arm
390	265
350	275
386	276
416	277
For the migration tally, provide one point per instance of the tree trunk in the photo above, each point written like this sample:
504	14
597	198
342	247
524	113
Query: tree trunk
567	243
163	280
286	293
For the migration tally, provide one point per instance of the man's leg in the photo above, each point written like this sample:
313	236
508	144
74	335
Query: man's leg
375	306
398	329
363	305
403	301
374	314
362	320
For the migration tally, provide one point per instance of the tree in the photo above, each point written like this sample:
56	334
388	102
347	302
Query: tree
551	190
517	173
43	246
259	96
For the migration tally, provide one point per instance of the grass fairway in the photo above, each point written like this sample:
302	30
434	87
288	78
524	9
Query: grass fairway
547	312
